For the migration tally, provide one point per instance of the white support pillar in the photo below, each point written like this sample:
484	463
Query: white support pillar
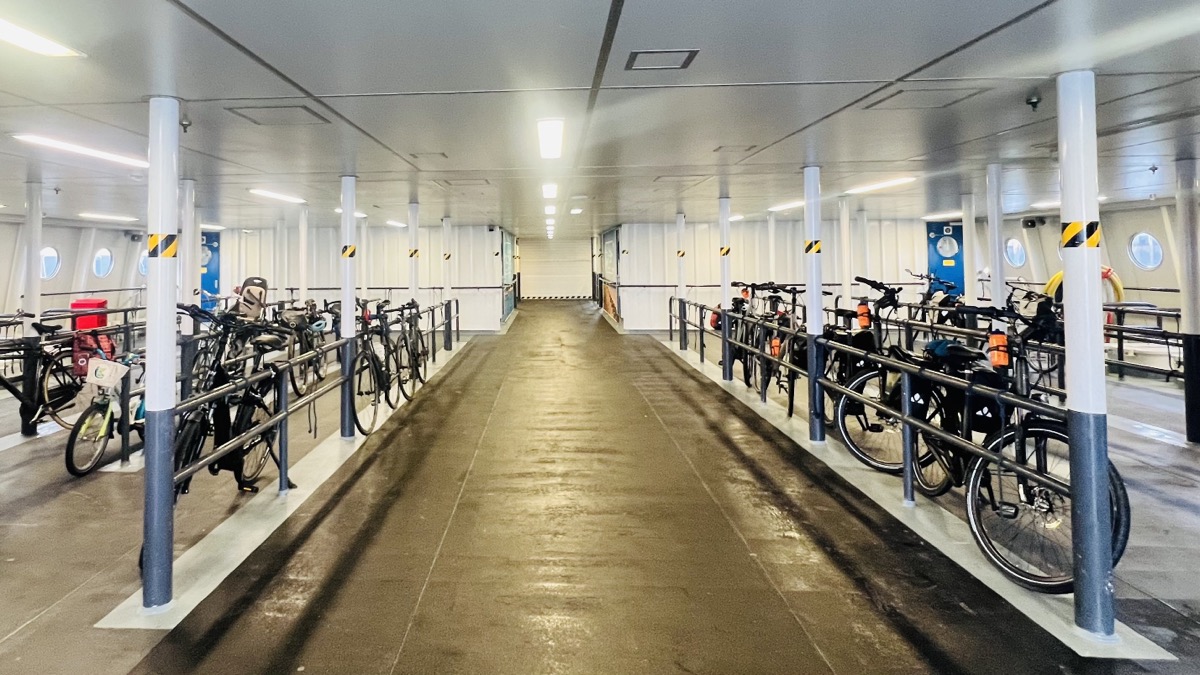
680	253
812	295
161	292
1189	270
414	249
189	249
866	244
447	282
1083	299
32	302
772	247
282	252
995	223
349	308
726	270
970	270
364	256
845	252
302	231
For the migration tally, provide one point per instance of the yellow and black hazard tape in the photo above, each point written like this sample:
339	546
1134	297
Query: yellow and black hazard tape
414	253
445	256
163	245
680	253
724	251
349	251
813	246
1078	233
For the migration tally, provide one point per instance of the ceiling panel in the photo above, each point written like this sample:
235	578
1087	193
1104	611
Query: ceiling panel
384	46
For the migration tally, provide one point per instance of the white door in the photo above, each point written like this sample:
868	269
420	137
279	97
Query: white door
556	268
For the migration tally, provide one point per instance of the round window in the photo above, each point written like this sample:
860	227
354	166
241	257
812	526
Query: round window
144	263
947	247
1014	253
1145	251
102	263
50	262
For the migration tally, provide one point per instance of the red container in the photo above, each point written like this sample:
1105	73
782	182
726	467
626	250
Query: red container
90	321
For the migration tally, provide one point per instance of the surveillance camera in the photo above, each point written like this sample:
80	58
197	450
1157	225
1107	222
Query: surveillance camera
1033	100
186	123
1029	223
491	228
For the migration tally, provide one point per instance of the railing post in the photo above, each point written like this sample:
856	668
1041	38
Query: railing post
700	313
281	429
683	327
726	348
1120	315
187	363
910	336
908	434
816	393
123	427
447	337
29	368
764	350
433	337
457	321
671	319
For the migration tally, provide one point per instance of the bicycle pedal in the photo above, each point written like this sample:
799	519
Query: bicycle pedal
875	428
1007	510
214	469
249	488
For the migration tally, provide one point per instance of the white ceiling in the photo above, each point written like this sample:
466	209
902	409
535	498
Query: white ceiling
437	102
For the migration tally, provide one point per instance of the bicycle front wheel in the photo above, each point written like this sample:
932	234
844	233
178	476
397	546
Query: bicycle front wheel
874	437
366	393
420	355
89	439
406	377
1023	528
258	450
60	388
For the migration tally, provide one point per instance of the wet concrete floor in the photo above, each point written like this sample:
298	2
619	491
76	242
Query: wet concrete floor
568	500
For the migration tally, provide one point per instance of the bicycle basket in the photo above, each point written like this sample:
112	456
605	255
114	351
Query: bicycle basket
105	373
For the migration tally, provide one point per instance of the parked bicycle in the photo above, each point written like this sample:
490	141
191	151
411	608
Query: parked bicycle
57	393
364	372
102	421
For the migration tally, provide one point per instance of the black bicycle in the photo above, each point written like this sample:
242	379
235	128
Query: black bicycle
58	391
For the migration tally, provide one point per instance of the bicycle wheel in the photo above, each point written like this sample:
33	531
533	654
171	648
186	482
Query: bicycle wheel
388	373
405	372
60	388
932	475
875	438
420	355
89	439
189	443
258	450
298	376
201	367
1024	529
366	392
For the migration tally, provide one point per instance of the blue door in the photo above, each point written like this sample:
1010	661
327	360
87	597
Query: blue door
946	254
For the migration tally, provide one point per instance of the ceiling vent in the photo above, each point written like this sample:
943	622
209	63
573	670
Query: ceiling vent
924	99
661	59
429	155
279	116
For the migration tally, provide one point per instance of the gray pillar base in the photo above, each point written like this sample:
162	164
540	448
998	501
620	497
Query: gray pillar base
1091	523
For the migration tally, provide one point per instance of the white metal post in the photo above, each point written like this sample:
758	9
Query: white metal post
349	308
1189	271
726	279
364	254
970	270
189	249
772	246
414	246
302	230
995	216
162	246
866	242
32	302
282	251
813	298
680	253
1083	299
447	282
846	252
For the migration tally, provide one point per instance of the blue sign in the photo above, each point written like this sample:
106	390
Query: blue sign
210	269
946	255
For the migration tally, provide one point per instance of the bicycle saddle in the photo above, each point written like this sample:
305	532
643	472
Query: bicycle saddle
954	354
843	313
267	342
901	354
44	329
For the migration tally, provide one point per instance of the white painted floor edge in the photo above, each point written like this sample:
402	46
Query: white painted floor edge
200	569
940	529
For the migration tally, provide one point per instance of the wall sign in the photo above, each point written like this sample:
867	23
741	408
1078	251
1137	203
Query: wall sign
210	269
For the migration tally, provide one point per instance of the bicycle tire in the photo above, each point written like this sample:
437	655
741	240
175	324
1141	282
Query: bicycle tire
298	375
1025	573
420	355
201	366
257	451
404	369
366	393
60	387
189	442
933	473
95	427
881	449
389	373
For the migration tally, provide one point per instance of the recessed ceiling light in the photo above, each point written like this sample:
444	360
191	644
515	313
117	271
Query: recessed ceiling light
105	216
275	195
396	223
1054	204
579	196
550	190
549	221
212	228
1102	198
576	211
880	186
81	150
660	59
28	40
3	206
551	210
947	216
550	137
734	219
357	214
786	207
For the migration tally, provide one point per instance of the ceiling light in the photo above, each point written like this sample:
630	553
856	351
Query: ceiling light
275	195
396	223
550	190
105	216
549	221
3	206
80	150
947	216
1102	198
576	211
786	207
357	214
880	186
734	219
550	137
28	40
551	210
1045	205
212	228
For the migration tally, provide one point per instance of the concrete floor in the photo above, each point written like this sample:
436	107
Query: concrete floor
560	499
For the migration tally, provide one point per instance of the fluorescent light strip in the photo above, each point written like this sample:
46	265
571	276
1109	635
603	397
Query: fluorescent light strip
550	137
949	215
30	41
275	195
105	216
212	228
396	223
550	191
549	221
1050	204
81	150
551	210
734	219
357	214
576	211
881	186
786	207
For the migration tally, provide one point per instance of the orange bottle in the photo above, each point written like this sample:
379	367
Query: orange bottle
998	349
864	314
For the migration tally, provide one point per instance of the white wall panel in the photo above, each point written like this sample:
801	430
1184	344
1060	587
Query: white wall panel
556	268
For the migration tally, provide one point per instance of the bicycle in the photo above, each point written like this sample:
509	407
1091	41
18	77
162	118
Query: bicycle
412	356
308	327
1022	526
57	387
89	439
364	374
938	293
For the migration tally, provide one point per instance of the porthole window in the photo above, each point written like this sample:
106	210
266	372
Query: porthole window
144	263
50	262
1145	251
102	263
1014	253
